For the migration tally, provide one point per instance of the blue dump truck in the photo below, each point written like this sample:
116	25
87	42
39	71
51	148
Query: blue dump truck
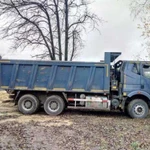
56	85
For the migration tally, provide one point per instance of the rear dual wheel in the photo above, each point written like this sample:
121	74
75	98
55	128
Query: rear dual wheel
28	104
54	105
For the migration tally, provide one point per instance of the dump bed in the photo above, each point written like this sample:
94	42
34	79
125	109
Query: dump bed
55	75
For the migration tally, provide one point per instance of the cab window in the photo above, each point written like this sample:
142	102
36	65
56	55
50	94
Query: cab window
146	71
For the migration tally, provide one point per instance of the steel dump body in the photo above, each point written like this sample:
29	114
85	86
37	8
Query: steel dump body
54	76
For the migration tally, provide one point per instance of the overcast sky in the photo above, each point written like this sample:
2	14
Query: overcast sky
119	33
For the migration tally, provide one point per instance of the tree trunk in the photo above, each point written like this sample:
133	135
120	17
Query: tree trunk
58	29
66	30
73	46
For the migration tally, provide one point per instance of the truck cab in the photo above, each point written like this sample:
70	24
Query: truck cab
131	85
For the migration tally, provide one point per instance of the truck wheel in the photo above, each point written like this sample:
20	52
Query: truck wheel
138	108
54	105
28	104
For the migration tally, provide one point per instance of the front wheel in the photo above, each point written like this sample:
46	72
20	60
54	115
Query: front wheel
138	108
54	105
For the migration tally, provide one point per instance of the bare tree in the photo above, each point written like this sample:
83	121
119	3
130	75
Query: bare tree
47	25
141	9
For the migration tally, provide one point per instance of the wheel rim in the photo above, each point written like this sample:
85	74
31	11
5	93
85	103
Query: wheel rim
53	106
139	110
27	104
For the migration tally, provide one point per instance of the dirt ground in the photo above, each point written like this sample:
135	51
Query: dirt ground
73	130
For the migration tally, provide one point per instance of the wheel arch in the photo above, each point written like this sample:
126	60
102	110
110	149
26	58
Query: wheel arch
137	96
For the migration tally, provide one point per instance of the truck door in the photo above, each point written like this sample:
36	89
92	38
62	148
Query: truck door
131	78
145	77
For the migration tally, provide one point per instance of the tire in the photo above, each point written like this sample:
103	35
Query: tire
138	108
54	105
28	104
